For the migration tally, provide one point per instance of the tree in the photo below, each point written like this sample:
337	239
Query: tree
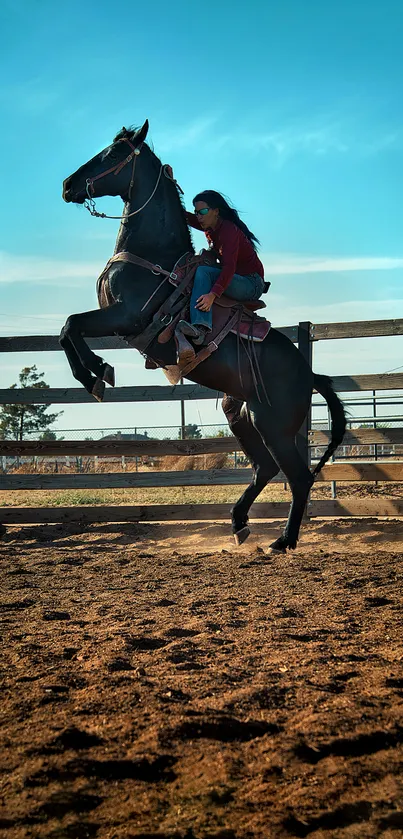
50	435
17	421
192	432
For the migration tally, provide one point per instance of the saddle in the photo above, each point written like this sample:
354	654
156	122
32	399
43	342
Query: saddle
228	315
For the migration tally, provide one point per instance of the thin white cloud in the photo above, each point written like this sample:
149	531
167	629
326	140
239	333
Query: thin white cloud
280	311
280	263
286	142
321	135
391	140
42	270
317	140
49	324
184	136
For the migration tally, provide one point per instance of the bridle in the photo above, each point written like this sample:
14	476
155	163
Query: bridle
89	202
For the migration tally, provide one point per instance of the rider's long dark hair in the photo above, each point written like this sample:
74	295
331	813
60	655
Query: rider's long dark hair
216	201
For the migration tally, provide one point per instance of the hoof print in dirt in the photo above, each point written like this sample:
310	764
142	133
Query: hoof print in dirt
393	820
118	665
172	695
71	738
76	830
64	802
55	615
257	560
54	693
343	816
140	769
376	602
144	643
394	683
17	605
290	613
224	729
361	744
180	632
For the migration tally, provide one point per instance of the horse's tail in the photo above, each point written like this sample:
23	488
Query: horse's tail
323	384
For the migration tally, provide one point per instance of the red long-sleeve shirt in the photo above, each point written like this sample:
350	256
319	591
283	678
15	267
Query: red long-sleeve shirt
237	255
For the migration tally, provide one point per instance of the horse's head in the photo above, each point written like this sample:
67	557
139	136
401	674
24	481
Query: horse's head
111	172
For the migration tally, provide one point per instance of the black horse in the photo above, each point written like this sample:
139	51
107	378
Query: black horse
264	418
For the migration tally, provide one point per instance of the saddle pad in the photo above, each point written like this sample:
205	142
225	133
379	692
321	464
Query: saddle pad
258	332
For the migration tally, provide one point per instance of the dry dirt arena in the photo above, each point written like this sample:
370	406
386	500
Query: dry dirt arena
159	682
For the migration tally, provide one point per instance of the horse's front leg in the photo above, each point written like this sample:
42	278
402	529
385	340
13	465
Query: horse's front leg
77	368
83	361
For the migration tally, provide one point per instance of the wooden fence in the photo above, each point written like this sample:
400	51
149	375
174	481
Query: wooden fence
305	334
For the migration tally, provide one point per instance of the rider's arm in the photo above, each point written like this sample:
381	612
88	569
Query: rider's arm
193	221
229	241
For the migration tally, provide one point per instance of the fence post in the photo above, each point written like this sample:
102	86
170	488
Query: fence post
305	348
183	420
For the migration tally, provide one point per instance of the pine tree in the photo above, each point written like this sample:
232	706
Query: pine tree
18	421
192	432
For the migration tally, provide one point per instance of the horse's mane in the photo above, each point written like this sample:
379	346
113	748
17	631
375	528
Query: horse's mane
130	134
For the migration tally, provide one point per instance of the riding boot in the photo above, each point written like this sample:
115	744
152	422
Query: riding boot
184	350
196	333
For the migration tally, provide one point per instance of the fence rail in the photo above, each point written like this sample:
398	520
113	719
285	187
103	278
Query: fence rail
197	512
161	448
318	332
174	393
345	471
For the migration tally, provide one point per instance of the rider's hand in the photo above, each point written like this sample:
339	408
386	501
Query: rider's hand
205	302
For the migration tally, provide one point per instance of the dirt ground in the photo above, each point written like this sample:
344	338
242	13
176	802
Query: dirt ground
159	682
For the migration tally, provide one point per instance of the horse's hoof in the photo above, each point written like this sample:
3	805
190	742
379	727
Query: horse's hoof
279	546
241	535
108	375
98	390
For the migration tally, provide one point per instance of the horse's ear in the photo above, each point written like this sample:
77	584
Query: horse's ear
141	134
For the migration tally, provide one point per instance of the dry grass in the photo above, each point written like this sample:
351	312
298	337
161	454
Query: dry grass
184	495
158	495
190	462
174	463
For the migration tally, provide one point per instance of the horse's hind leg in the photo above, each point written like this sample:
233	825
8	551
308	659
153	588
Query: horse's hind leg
264	465
299	477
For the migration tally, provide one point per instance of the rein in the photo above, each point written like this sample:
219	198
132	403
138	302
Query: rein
89	203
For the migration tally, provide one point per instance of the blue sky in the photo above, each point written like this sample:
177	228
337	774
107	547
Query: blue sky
292	109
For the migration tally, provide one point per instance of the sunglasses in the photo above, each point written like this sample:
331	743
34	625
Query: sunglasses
203	211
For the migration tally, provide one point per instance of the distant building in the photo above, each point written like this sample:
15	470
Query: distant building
120	436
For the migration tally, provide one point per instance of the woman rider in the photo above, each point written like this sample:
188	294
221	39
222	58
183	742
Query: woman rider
241	274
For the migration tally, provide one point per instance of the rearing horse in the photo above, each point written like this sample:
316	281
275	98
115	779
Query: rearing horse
153	227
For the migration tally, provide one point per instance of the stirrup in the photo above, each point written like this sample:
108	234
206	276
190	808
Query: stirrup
188	329
196	333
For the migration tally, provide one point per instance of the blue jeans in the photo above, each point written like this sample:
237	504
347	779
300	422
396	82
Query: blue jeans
250	287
